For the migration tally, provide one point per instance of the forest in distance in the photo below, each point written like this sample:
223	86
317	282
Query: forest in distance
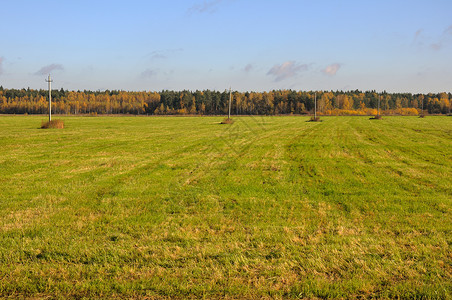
207	102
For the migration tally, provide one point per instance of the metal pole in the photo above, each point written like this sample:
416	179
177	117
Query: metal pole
315	105
230	99
50	98
379	99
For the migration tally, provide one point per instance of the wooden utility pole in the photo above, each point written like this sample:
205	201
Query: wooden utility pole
49	80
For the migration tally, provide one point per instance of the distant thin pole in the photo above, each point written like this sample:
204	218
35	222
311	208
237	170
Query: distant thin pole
49	80
379	99
315	105
230	100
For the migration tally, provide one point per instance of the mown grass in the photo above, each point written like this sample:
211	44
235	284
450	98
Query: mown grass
267	207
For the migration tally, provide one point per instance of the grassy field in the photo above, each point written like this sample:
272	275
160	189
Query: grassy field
183	207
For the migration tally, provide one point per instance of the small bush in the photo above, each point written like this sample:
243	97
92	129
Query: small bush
227	121
377	117
52	124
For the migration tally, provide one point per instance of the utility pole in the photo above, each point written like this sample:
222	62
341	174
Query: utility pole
230	100
315	106
379	99
49	80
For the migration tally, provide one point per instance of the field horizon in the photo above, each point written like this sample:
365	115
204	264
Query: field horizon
267	207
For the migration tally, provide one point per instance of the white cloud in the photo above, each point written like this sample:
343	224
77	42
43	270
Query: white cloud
48	69
287	70
332	69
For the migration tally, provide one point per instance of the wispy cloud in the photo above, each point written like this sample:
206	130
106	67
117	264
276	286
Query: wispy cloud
448	30
148	73
436	46
1	65
332	69
435	43
157	55
444	40
48	69
419	39
210	6
418	36
248	68
163	54
287	70
418	33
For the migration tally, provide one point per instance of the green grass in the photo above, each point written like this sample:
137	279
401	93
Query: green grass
268	207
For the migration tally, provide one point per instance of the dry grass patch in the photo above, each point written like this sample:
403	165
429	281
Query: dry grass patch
315	119
227	121
52	124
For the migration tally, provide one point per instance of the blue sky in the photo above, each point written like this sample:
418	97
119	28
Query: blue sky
397	45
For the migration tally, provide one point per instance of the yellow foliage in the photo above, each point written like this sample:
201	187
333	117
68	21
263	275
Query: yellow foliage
406	111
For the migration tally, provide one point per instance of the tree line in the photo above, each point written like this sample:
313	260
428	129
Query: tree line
207	102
